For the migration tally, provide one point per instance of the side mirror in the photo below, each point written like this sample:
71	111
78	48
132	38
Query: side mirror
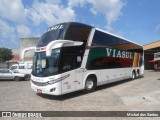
59	43
52	45
25	50
49	51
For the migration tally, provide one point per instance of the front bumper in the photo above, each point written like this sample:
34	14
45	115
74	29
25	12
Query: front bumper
54	89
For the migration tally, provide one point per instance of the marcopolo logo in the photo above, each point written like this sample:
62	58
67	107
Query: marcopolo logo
56	27
119	53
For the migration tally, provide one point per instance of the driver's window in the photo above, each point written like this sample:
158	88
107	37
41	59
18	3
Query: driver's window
69	62
6	71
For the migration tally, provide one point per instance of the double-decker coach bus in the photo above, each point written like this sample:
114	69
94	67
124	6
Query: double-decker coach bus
73	56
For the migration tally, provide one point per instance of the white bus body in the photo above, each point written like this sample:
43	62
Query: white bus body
81	57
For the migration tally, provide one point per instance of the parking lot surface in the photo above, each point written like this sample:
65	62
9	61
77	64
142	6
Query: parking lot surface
141	94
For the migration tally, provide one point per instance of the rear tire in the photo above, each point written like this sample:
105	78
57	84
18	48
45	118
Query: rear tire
133	75
17	78
90	84
138	74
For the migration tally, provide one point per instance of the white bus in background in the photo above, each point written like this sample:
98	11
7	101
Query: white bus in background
73	56
24	68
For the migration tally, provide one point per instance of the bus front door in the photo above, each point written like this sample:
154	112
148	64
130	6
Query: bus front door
68	84
73	81
79	78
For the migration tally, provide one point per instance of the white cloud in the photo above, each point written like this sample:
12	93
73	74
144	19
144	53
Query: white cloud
111	9
16	19
13	10
23	31
53	1
6	30
50	12
76	3
10	33
13	15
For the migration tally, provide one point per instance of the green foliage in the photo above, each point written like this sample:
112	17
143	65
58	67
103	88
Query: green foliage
5	54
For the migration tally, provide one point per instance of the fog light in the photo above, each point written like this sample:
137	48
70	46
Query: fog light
53	89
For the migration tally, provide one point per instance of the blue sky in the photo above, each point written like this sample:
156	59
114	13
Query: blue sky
135	20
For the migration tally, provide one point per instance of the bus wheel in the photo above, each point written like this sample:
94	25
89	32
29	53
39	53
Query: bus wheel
133	75
90	84
138	74
155	66
17	78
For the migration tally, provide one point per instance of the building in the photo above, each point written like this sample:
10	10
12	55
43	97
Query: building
24	43
15	53
149	50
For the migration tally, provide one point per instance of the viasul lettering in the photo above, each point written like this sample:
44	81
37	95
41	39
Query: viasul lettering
119	53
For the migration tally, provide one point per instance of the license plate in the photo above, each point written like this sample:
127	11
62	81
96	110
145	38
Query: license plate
39	91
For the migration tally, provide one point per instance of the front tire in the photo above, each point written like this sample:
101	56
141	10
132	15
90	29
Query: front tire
90	84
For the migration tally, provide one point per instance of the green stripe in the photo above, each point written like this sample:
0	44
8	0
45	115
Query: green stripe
100	52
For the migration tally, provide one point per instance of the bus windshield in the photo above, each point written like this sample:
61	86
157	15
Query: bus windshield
46	65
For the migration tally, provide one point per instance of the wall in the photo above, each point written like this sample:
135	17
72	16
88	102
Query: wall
6	64
28	42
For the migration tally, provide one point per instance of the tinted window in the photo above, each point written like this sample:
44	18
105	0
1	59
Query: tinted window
118	47
104	39
48	37
78	32
65	31
98	59
71	57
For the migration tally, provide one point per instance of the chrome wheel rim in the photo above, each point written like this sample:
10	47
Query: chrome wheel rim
133	75
89	84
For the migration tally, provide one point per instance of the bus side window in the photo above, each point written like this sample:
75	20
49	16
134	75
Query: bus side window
29	67
69	62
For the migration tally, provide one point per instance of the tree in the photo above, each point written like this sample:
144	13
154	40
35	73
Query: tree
5	54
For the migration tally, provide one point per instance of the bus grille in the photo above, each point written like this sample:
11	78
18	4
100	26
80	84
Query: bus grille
40	83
